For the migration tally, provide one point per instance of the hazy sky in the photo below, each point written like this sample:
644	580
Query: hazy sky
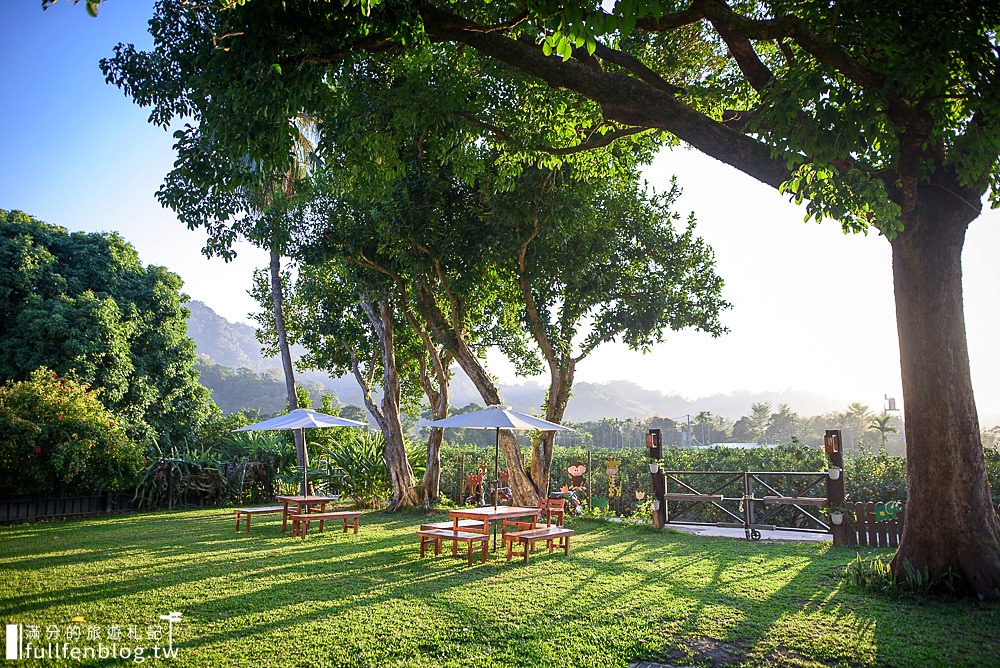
813	308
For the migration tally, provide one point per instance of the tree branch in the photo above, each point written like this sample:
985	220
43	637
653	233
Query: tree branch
594	139
635	66
623	98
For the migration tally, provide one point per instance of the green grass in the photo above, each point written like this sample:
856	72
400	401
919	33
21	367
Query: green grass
335	599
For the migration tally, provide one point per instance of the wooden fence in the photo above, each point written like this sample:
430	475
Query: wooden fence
29	509
874	524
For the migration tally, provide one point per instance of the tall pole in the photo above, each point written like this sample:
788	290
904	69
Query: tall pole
496	478
834	445
305	462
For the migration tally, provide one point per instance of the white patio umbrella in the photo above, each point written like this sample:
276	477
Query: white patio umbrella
302	418
498	417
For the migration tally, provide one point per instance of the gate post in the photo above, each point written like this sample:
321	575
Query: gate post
654	445
833	444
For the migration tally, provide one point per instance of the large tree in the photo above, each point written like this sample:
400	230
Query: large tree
85	303
856	108
594	261
348	321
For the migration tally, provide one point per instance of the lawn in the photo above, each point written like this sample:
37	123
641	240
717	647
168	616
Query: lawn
624	594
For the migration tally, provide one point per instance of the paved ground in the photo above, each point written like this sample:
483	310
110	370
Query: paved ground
708	530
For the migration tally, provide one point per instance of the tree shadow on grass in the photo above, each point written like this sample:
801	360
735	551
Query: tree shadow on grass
622	594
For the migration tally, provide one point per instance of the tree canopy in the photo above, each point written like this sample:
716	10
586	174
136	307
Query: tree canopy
83	303
856	109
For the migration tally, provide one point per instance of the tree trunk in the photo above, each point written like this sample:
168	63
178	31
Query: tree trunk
434	378
404	493
560	386
951	525
277	300
430	485
525	490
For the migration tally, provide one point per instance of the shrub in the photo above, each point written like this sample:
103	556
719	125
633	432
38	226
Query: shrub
877	577
184	476
58	439
362	472
875	477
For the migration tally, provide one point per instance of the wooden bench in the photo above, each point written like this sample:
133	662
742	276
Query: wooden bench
428	536
529	537
250	512
300	521
474	526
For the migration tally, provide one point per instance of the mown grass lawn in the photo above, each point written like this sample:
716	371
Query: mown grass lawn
624	594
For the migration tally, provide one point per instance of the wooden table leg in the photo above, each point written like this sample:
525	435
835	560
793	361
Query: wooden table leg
322	509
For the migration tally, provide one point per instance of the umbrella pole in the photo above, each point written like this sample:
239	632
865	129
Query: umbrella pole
496	484
305	464
496	471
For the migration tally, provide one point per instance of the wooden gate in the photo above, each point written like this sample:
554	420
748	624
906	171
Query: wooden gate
748	500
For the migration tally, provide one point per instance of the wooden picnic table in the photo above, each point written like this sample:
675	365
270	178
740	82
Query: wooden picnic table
303	505
488	514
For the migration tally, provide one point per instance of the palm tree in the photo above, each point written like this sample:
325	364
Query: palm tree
303	156
704	419
881	425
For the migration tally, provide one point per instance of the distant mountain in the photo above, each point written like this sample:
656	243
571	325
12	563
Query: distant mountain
624	399
243	388
231	344
235	345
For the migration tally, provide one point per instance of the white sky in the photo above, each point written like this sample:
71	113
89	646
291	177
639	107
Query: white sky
813	308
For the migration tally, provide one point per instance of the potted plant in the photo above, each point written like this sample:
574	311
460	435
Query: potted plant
834	472
654	466
837	512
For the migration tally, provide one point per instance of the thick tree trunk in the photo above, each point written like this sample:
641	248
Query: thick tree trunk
560	386
277	301
430	485
404	492
525	490
434	377
951	525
